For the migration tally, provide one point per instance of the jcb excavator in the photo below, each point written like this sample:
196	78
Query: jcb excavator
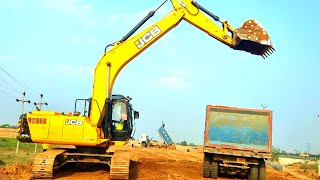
108	119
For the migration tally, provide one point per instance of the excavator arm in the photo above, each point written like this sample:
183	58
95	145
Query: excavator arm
251	37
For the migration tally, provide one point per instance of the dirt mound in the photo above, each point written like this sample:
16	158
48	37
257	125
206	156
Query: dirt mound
16	169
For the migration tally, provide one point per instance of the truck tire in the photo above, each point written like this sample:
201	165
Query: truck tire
262	170
206	165
214	168
253	174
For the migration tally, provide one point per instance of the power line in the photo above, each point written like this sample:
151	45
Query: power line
9	86
21	84
8	94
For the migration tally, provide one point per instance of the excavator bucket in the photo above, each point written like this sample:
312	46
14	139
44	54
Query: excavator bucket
253	38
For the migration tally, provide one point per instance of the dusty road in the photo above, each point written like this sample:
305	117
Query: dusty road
146	164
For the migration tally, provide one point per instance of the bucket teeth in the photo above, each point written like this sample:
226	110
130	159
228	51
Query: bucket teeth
253	38
268	51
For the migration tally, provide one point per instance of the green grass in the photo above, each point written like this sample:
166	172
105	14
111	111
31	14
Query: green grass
12	143
8	154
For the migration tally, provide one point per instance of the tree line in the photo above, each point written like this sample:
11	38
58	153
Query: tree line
8	126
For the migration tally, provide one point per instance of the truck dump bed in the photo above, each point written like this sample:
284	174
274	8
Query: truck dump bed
165	136
238	128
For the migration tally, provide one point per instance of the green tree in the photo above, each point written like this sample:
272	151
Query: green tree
184	143
192	144
5	126
283	152
275	152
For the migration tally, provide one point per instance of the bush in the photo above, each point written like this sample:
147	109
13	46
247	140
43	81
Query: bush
4	140
275	152
2	163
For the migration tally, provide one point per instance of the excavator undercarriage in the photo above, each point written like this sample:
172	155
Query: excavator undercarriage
47	162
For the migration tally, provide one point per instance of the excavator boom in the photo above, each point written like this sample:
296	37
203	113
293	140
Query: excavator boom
251	37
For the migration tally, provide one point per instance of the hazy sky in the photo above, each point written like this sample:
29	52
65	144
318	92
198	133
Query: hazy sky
52	47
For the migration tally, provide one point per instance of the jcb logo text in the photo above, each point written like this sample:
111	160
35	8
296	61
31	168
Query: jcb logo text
73	122
147	37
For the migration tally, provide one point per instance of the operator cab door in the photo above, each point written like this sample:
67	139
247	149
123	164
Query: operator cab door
121	121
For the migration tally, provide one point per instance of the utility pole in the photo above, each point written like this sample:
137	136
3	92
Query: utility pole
264	107
40	104
22	101
308	147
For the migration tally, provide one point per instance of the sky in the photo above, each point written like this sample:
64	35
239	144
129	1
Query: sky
52	47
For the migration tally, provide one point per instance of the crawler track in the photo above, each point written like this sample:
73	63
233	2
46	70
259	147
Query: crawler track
45	163
120	163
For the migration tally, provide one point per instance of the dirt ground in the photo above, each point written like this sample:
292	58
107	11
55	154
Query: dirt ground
8	132
299	171
146	164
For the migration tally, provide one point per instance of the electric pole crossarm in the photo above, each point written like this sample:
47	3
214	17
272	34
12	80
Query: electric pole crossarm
41	103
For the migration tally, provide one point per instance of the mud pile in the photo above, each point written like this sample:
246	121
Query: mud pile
16	169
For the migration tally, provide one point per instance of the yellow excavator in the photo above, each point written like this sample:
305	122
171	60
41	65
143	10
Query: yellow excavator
107	119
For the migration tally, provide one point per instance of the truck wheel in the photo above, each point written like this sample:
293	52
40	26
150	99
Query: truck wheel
262	170
206	165
214	167
253	174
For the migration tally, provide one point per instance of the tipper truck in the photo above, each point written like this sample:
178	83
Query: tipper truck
237	141
169	144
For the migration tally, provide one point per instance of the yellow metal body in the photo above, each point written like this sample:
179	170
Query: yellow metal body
87	131
57	128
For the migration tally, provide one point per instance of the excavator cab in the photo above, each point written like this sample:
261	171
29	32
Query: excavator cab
119	122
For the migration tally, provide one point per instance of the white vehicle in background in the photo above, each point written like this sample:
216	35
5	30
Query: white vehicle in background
144	140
